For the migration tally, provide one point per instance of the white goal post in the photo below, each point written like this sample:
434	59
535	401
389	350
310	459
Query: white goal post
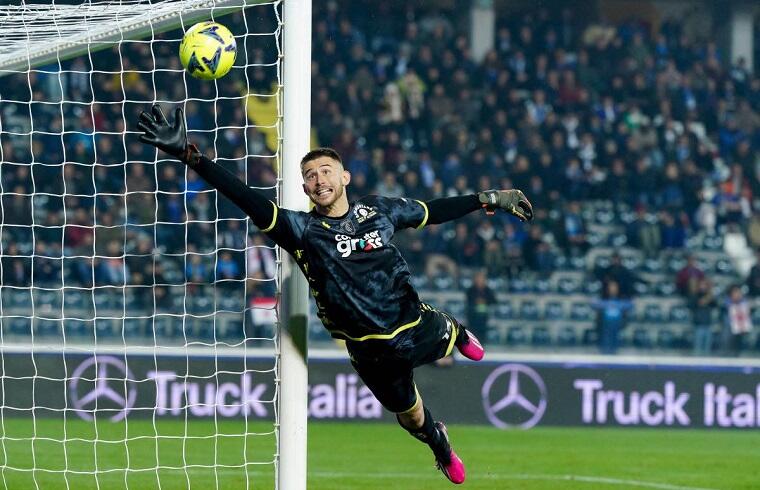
120	285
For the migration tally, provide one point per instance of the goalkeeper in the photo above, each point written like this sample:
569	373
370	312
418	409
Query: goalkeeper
359	281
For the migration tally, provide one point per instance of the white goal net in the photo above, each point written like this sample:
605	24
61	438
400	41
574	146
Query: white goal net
138	339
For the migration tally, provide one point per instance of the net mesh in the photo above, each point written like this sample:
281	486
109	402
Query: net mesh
138	341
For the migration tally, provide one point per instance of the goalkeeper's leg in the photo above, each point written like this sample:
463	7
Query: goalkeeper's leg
420	424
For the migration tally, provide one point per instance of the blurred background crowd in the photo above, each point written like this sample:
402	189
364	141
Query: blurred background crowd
638	143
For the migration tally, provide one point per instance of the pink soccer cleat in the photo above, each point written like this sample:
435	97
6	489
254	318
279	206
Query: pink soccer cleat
471	348
453	468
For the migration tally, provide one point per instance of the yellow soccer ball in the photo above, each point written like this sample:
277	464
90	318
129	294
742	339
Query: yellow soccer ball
208	50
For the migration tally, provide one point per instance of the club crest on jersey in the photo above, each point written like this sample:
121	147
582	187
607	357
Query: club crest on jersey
363	212
347	245
347	226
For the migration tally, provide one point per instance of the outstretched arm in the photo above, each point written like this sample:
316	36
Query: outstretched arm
172	139
450	208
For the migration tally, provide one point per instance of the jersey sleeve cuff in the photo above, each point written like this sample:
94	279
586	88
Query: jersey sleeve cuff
274	219
425	219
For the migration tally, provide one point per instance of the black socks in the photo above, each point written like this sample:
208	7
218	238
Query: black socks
430	435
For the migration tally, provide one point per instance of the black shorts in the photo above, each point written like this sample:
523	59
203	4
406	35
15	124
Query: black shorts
386	366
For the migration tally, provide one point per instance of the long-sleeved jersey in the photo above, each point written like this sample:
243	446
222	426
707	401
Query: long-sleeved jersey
359	280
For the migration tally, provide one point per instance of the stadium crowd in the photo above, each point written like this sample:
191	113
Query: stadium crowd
628	124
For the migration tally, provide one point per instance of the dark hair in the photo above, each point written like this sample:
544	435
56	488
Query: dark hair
321	152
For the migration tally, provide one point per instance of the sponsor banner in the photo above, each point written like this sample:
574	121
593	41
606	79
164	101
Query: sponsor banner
504	395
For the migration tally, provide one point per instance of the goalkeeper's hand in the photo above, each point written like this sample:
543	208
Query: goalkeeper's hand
170	138
512	201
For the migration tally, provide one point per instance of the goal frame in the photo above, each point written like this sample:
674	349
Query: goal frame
295	122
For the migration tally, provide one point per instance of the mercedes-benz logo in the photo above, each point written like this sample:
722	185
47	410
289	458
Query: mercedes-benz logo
514	395
91	387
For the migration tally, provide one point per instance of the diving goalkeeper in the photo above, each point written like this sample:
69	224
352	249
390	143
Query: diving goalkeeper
358	279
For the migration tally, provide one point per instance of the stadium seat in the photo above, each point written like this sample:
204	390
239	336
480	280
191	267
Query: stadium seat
516	335
665	288
134	327
666	339
755	314
592	288
641	338
590	336
103	300
529	310
21	326
581	311
567	336
46	327
724	266
554	310
420	281
163	326
567	285
77	328
712	242
518	286
504	310
456	308
679	314
578	263
443	283
641	288
539	336
105	328
653	266
541	286
653	313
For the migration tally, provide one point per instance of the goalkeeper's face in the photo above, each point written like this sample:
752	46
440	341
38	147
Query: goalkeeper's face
324	181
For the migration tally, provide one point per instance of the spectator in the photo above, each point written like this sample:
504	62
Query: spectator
689	276
644	234
480	299
574	239
624	278
738	319
612	311
702	304
753	279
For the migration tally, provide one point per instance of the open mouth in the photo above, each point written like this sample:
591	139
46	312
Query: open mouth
323	192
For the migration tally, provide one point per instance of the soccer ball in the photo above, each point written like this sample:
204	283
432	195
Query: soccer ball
208	50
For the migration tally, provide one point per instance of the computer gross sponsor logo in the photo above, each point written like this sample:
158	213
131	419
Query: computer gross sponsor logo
514	395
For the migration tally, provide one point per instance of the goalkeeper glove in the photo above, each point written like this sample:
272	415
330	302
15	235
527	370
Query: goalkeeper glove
512	201
171	139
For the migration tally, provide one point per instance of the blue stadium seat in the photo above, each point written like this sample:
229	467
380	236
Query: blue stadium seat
77	328
567	336
105	328
679	314
46	327
712	242
456	308
641	288
443	283
542	286
504	310
581	311
518	286
724	266
641	338
103	300
134	327
539	336
665	288
755	313
516	335
653	313
653	266
529	310
163	326
592	288
20	326
590	336
420	281
554	310
666	338
567	285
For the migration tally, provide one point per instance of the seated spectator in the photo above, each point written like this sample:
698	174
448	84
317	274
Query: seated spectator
644	233
702	304
574	239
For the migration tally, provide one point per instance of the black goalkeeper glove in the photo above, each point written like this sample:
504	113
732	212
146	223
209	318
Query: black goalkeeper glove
512	201
171	139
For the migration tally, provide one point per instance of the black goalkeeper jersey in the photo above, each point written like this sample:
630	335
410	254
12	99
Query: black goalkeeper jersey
359	280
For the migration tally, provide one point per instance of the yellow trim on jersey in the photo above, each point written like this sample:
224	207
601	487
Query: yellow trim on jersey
274	219
424	220
416	402
454	335
379	336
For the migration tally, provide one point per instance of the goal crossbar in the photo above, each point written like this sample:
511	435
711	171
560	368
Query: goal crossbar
54	32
